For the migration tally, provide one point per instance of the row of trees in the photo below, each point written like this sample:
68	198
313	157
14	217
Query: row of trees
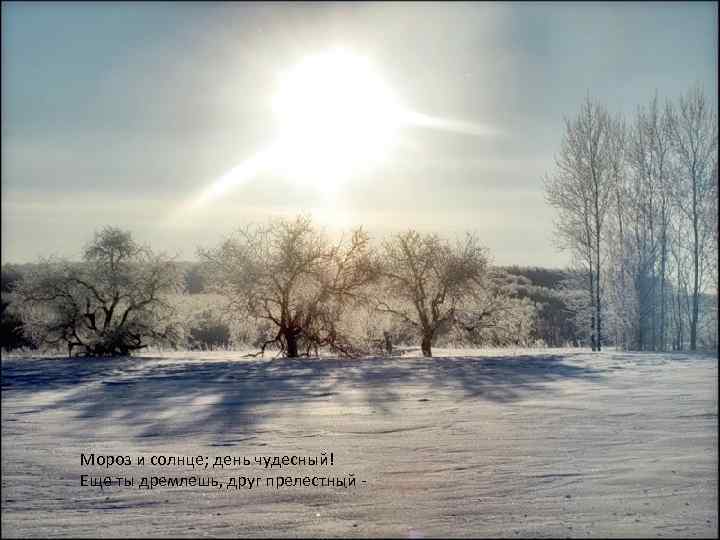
637	208
542	298
296	290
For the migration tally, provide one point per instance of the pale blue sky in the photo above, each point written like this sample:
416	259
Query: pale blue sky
117	113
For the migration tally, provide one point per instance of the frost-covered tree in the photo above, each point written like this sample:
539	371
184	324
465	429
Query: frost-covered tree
712	254
288	275
580	191
114	302
499	313
618	274
640	244
426	279
695	139
554	324
637	209
573	291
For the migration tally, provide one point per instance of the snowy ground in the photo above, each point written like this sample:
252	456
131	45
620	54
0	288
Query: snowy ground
550	444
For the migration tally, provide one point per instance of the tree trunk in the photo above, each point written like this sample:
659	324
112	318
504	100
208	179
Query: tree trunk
696	292
426	344
695	316
592	310
663	264
292	344
623	302
639	332
696	264
598	333
679	322
388	343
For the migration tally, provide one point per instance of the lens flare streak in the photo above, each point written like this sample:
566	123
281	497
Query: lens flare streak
336	116
237	176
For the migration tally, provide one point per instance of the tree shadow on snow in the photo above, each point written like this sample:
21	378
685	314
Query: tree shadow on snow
158	397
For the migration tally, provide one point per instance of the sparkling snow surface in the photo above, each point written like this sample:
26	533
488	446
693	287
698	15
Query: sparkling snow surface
554	443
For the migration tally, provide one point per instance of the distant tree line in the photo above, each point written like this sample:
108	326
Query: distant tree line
636	201
285	286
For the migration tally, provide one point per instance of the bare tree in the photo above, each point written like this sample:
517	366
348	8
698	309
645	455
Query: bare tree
113	303
426	279
292	277
713	252
661	130
657	182
496	314
619	252
573	290
694	137
647	218
580	190
681	270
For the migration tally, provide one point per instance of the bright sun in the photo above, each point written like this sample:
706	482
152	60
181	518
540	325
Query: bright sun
335	115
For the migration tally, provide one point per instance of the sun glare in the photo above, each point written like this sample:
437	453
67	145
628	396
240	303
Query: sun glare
335	117
334	114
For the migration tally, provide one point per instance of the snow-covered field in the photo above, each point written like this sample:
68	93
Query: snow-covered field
551	443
